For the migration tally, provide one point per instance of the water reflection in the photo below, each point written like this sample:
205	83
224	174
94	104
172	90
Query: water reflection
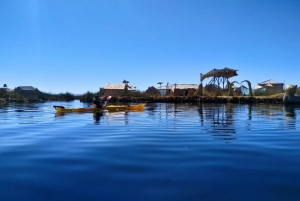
290	114
97	116
289	110
171	150
268	110
250	106
220	119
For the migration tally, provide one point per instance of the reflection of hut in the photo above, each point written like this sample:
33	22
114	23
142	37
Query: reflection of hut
27	90
183	89
270	85
112	89
152	91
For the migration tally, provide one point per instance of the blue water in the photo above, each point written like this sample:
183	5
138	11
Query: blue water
167	152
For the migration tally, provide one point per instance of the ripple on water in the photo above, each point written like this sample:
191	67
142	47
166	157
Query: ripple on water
167	152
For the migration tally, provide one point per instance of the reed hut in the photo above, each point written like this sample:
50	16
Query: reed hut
183	89
115	89
152	91
27	90
271	85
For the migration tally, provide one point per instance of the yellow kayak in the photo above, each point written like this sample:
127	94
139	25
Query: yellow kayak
108	107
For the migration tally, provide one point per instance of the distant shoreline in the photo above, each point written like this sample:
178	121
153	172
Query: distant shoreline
202	99
175	99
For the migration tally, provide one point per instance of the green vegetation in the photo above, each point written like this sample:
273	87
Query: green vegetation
260	92
88	97
38	96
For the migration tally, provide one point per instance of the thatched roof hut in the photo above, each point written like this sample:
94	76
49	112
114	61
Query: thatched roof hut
183	89
153	91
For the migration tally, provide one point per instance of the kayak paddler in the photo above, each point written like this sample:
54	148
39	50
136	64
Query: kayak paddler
97	103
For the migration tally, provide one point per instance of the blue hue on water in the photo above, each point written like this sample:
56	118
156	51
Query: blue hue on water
167	152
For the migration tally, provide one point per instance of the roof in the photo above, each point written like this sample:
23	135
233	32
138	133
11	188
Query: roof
258	87
270	81
115	86
184	86
26	88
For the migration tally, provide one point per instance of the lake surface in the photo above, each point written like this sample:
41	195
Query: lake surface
167	152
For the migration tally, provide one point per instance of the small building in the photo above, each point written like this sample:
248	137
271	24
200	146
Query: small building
27	90
113	89
183	89
271	85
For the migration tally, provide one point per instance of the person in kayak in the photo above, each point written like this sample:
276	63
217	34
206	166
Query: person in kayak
98	103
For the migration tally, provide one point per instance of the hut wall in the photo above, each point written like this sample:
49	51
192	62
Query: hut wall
180	92
276	87
26	92
114	92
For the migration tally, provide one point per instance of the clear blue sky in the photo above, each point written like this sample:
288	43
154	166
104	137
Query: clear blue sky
78	46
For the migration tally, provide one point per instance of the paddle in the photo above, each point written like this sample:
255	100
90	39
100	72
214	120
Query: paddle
108	98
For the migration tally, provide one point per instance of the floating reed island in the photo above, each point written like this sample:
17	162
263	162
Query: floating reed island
201	99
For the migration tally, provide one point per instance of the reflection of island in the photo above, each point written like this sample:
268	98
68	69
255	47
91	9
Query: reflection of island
165	110
275	112
119	117
221	120
270	110
289	110
290	114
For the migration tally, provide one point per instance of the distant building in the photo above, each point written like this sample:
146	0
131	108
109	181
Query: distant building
270	85
183	89
113	89
27	90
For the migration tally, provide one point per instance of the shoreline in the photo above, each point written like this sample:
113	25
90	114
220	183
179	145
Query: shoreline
174	99
201	99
